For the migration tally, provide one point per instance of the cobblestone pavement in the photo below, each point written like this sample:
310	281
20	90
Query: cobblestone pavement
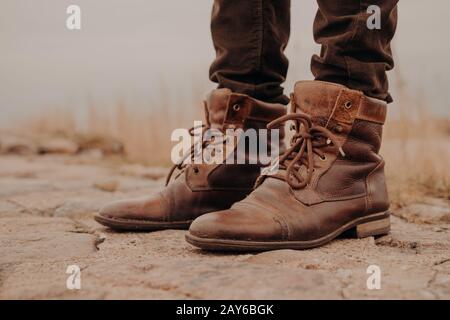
46	207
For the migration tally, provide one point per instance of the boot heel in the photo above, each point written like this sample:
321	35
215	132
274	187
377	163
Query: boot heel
373	228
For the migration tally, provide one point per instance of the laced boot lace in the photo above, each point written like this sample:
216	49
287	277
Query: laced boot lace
194	151
308	140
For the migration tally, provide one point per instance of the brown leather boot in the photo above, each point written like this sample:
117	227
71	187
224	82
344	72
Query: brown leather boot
200	188
331	179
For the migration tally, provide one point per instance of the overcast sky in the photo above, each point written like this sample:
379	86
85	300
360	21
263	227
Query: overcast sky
129	50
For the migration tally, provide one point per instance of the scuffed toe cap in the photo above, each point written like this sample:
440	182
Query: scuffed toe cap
148	208
112	210
236	225
206	226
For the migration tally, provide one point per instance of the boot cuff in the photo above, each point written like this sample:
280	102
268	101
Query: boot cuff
225	109
335	102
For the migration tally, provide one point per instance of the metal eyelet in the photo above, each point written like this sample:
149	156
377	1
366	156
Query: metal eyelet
236	107
338	128
324	158
196	170
348	105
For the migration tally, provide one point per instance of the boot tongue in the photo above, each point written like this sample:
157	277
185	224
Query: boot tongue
216	107
316	99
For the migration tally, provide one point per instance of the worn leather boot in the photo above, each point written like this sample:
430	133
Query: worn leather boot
201	188
331	179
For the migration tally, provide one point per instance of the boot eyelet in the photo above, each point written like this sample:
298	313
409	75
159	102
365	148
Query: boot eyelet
236	107
324	158
195	170
348	105
338	128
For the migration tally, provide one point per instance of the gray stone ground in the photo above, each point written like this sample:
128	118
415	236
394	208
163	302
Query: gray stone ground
46	207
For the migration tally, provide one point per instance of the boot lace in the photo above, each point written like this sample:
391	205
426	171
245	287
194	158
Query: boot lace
308	140
194	151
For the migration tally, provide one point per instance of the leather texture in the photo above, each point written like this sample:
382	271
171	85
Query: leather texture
202	188
347	183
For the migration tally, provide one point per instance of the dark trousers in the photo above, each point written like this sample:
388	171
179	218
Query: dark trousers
250	37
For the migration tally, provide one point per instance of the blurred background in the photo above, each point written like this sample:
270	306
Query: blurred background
137	69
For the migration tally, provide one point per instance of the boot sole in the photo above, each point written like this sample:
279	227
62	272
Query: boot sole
140	225
373	225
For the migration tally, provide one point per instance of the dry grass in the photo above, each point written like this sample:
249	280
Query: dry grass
417	153
145	135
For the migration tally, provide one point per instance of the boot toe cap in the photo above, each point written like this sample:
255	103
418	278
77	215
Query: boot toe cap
135	209
236	225
113	210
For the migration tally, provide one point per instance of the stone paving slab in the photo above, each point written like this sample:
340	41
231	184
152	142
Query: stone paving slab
46	207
